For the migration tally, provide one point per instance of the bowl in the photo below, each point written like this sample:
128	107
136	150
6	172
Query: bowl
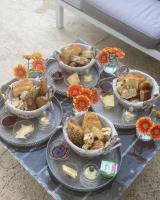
26	114
139	104
88	153
69	69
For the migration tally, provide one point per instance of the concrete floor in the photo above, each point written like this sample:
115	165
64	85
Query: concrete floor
28	25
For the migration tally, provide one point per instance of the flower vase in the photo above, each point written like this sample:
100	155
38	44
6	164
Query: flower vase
112	65
34	74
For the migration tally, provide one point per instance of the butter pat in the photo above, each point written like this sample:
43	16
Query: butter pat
24	131
88	78
73	79
69	171
108	101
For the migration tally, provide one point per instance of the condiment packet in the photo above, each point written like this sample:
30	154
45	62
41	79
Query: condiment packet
108	168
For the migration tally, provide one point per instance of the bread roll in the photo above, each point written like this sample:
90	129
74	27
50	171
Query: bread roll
20	86
91	120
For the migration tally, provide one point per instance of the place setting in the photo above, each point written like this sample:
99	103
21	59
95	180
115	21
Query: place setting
30	113
125	94
74	63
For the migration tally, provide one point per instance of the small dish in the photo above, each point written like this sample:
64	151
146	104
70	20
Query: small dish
57	76
23	129
106	85
8	120
59	150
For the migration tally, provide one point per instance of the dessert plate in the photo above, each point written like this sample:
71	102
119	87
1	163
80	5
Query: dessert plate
40	135
79	183
61	85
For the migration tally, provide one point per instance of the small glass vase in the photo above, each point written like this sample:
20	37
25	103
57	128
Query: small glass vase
112	65
34	74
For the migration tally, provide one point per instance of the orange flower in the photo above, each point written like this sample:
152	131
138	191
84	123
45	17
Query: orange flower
20	72
37	55
114	51
86	92
95	95
103	57
74	90
38	65
81	103
155	132
143	125
27	56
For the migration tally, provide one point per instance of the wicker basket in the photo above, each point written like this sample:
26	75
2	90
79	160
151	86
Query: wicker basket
88	153
140	104
22	113
80	70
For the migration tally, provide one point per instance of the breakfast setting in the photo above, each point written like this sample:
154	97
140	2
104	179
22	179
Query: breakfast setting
77	103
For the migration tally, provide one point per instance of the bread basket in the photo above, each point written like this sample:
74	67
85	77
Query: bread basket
69	69
89	153
21	113
139	104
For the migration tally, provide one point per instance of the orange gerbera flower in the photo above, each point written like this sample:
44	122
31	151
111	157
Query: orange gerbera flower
114	51
95	95
37	55
27	56
74	90
86	92
103	57
20	72
81	103
38	65
155	132
143	125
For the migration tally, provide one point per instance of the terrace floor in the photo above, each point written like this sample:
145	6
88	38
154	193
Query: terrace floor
28	25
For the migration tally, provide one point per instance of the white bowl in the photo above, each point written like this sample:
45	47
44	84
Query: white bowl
88	153
21	113
79	70
139	104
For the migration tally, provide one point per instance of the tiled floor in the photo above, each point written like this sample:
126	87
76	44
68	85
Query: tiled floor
28	25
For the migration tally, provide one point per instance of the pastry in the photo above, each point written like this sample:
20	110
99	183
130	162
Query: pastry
65	58
87	54
73	79
107	131
79	60
145	85
98	134
73	64
108	101
43	86
97	144
30	103
75	133
41	101
145	95
20	86
72	50
129	93
91	120
88	140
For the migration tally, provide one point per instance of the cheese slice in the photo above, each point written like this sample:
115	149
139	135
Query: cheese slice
73	79
69	171
24	131
108	101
